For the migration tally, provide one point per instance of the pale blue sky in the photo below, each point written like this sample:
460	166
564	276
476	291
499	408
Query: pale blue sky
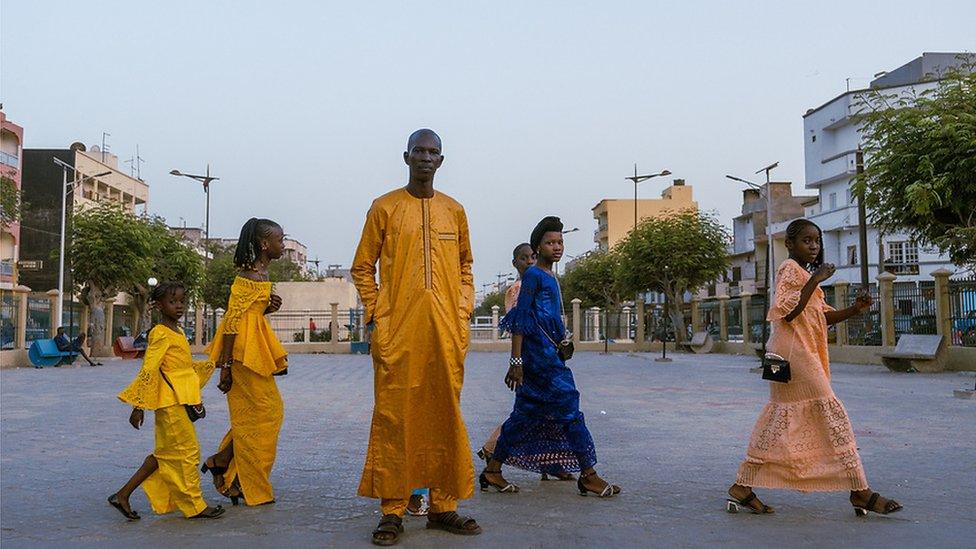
303	108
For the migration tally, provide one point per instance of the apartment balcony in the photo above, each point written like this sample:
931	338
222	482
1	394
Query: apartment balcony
11	160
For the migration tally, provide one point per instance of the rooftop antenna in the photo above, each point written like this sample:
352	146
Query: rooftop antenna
104	145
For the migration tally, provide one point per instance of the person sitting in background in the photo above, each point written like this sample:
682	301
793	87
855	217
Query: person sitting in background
65	344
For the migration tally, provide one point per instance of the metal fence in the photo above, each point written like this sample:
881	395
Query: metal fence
38	318
708	311
962	311
914	308
294	326
757	318
733	318
864	329
9	303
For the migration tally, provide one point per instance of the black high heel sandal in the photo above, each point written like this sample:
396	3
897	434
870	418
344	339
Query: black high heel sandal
485	484
213	469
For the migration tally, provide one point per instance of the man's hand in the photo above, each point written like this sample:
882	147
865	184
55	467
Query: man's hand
513	379
137	417
824	272
274	304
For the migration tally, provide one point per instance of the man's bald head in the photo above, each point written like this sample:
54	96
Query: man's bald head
421	133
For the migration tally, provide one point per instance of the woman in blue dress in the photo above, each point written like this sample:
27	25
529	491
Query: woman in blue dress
546	432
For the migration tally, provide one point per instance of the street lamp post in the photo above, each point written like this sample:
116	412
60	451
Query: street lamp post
205	180
765	192
59	309
640	179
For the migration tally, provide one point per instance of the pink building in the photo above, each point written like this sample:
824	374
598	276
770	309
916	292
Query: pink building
11	145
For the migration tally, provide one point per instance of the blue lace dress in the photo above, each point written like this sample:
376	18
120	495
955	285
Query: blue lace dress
546	432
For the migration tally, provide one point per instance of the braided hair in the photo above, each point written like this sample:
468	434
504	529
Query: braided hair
249	242
793	231
549	224
163	289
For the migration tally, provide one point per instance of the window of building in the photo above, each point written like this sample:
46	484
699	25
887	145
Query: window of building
903	253
814	138
852	255
850	196
833	201
736	274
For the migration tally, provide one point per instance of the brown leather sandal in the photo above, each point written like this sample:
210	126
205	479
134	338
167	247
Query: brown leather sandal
453	523
388	531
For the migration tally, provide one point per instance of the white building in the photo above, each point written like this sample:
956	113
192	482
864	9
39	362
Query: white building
831	135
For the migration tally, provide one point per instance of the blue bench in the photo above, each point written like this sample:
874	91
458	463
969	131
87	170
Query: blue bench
44	352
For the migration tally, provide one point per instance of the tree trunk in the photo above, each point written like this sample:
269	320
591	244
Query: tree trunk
96	303
676	299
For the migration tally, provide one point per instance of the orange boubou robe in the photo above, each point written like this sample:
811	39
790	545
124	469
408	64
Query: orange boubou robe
421	311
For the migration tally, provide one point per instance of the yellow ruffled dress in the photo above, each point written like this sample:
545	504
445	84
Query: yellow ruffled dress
256	408
176	484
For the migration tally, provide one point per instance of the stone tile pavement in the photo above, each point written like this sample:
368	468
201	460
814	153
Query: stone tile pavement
671	434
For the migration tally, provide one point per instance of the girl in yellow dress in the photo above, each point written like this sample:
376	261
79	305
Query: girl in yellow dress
168	383
249	354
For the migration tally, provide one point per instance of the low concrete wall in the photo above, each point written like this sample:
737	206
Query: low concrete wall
14	358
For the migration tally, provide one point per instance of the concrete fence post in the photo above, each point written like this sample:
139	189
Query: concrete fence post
745	298
841	289
595	312
943	309
723	318
21	334
53	296
886	282
577	325
334	328
109	321
639	324
494	322
306	328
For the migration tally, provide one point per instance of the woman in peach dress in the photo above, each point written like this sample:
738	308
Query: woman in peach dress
803	439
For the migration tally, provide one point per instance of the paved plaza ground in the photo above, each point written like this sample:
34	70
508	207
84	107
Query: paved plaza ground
671	434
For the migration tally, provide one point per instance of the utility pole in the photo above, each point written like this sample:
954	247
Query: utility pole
862	223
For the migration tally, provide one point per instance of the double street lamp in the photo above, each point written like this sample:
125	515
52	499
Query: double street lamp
764	192
640	179
206	180
79	178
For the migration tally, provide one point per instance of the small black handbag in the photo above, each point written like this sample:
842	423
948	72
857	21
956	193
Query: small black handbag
193	411
565	348
775	368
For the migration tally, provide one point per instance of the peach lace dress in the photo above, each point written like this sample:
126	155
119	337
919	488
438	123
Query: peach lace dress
803	439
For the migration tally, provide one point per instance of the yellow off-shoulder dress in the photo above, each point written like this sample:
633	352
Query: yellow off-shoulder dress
256	408
175	486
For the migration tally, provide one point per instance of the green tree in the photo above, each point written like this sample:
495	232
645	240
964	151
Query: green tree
492	299
172	260
920	163
593	280
110	251
9	201
673	254
218	277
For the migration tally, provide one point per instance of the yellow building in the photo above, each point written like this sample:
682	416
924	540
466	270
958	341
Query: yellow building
116	186
615	216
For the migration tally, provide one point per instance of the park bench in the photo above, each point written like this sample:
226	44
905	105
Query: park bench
125	347
917	353
44	352
701	343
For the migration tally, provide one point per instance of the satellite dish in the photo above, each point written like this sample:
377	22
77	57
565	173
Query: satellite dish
78	146
95	149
